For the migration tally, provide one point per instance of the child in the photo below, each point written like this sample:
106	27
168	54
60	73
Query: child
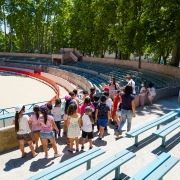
151	92
95	103
23	131
87	102
85	95
142	94
87	127
92	92
116	107
102	115
73	124
109	102
46	122
56	111
72	94
35	128
49	106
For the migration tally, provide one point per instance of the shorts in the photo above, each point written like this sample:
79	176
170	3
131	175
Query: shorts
26	137
87	134
47	135
102	122
118	112
36	131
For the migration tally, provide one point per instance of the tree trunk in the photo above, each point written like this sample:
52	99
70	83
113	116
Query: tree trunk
175	56
4	19
159	59
139	66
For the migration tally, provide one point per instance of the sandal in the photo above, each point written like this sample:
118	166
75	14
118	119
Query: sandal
24	155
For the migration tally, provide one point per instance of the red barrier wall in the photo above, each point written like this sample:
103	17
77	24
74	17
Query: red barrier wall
49	81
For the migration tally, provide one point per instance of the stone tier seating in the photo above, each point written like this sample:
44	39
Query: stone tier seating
157	122
157	168
66	166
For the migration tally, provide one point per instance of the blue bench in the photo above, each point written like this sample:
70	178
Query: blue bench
66	166
157	168
107	166
163	132
135	132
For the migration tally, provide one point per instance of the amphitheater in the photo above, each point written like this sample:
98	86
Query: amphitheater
45	77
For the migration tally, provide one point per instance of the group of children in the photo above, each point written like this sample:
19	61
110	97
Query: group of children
78	115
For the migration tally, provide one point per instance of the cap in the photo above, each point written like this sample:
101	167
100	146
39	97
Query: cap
106	89
72	102
117	91
88	109
67	97
19	107
43	108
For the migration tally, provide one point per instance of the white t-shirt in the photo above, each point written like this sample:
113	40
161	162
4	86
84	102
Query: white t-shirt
132	83
24	125
87	125
142	91
109	102
56	111
152	92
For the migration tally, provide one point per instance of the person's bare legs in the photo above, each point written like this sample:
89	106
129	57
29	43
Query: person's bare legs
53	142
45	148
83	140
31	146
21	147
101	131
71	144
90	143
65	126
77	143
36	138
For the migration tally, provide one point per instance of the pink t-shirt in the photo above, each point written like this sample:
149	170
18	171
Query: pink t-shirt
48	126
34	120
84	106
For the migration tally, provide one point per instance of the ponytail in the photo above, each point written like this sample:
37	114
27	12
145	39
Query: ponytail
45	116
36	110
37	115
17	122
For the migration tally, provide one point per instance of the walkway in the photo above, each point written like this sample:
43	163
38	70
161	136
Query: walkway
14	167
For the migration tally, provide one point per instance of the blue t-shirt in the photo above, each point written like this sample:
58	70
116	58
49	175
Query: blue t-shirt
95	107
103	111
126	102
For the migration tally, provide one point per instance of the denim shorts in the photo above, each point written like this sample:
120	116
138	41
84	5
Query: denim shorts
47	135
35	131
118	112
102	122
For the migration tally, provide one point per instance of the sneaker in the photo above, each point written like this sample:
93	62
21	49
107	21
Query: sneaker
117	134
77	150
57	155
120	132
82	147
70	151
100	138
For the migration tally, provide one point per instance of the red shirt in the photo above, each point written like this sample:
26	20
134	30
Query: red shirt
116	101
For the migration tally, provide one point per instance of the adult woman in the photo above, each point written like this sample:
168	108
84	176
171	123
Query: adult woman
23	131
113	86
127	109
46	122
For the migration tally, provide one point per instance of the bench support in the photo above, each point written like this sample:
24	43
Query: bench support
88	165
117	173
136	141
158	126
163	142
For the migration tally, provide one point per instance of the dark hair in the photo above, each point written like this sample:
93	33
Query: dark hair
92	89
85	92
114	80
71	93
103	98
71	109
67	105
95	97
87	100
49	106
17	119
45	116
75	91
150	85
128	90
36	109
57	101
106	93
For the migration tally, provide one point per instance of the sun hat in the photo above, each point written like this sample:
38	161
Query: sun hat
67	97
19	107
43	108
